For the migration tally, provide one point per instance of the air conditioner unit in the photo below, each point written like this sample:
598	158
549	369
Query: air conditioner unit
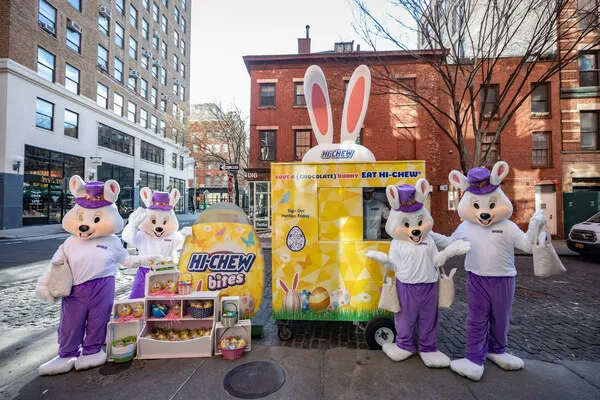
48	28
135	73
164	97
147	53
102	67
158	63
178	82
74	26
105	11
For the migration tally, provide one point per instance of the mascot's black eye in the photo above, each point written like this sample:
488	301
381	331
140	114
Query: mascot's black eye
420	222
406	224
492	205
97	219
476	205
153	222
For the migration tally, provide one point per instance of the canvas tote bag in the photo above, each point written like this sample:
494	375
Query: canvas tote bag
61	278
446	288
389	296
545	259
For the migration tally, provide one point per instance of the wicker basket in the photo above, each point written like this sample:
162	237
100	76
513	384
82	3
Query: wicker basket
229	320
200	312
184	288
231	354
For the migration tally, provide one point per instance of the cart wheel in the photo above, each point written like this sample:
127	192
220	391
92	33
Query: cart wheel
380	330
285	333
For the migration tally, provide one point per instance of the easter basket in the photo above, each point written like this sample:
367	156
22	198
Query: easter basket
229	317
197	312
184	288
231	354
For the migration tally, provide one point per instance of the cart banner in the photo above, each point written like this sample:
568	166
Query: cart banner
226	257
319	265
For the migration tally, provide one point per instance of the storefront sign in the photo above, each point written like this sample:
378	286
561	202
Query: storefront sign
252	175
95	161
261	224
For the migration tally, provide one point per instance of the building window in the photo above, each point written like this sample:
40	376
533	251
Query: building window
115	140
153	94
163	50
132	48
182	24
299	99
589	71
153	123
143	118
145	27
164	23
155	42
155	71
76	4
124	176
590	130
163	76
183	70
588	13
146	4
182	93
132	83
486	141
102	58
163	105
207	180
133	16
144	88
175	39
44	114
155	12
302	143
165	3
72	79
118	104
178	184
163	128
174	160
183	4
45	64
181	163
176	14
102	95
103	24
267	95
489	103
175	89
153	181
120	4
182	45
71	123
267	145
194	148
118	70
131	111
541	155
47	17
119	35
540	99
175	62
152	153
145	61
174	108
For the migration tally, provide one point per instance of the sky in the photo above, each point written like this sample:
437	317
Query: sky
223	31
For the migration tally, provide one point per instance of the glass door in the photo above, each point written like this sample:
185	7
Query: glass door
35	203
55	209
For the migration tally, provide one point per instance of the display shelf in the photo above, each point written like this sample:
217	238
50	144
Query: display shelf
119	330
133	303
184	318
161	277
243	329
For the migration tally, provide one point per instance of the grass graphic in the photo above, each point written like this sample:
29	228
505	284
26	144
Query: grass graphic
335	315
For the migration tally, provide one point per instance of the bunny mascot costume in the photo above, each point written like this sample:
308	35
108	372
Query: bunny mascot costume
153	231
92	252
413	256
490	265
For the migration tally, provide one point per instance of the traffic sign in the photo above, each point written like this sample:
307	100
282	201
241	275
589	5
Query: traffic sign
206	192
230	167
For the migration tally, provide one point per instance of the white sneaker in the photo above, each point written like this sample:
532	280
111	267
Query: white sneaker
58	365
435	359
394	352
90	360
467	368
506	361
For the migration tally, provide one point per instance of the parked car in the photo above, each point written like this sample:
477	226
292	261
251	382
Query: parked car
584	238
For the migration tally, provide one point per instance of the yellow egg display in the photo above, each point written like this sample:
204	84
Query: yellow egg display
176	309
156	287
318	300
170	286
138	311
125	310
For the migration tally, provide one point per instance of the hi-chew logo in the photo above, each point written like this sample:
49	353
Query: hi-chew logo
230	268
337	154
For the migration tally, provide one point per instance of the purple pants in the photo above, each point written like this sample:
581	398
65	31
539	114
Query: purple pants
490	301
139	283
419	306
85	311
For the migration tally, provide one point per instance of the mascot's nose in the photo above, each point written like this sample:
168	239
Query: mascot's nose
158	229
416	232
485	216
84	228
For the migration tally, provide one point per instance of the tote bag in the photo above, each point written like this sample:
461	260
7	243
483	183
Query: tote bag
61	278
545	260
389	296
446	288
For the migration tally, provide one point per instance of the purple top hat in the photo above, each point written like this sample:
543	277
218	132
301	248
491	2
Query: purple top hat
94	196
479	181
160	201
406	195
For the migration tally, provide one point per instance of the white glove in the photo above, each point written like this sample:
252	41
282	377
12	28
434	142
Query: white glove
145	260
137	217
538	220
41	288
382	258
440	259
456	248
187	231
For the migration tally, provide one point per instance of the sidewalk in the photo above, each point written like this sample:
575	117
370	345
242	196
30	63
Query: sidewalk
315	374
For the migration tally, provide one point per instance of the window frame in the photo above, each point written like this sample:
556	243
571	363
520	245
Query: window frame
67	67
133	49
153	123
485	145
301	146
78	8
120	6
105	69
132	113
76	126
545	86
46	18
484	101
114	139
548	149
152	153
119	39
154	96
104	25
144	88
38	112
261	136
133	16
132	83
143	121
164	23
594	72
155	12
145	29
98	86
261	96
297	96
596	131
120	104
117	61
52	68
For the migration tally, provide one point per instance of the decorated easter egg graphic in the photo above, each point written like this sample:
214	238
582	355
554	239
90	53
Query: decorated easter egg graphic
304	296
246	304
318	300
295	239
340	298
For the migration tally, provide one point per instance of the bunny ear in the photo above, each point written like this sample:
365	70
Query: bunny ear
77	186
283	285
452	272
458	180
499	172
111	190
355	104
393	198
295	281
318	105
174	197
422	190
146	195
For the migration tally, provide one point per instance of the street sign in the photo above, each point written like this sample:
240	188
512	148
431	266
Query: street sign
206	193
230	167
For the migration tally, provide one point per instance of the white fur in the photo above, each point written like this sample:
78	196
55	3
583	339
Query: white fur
395	353
435	359
506	361
90	360
467	369
58	365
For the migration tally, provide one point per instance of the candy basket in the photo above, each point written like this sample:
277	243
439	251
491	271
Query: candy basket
184	288
229	317
231	354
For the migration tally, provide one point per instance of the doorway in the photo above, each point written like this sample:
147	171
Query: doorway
545	200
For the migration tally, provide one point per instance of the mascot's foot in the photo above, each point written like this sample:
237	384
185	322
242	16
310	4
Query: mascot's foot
467	369
58	365
506	361
394	352
90	360
435	359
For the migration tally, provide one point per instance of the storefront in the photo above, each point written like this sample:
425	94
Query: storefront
178	184
46	197
259	181
124	176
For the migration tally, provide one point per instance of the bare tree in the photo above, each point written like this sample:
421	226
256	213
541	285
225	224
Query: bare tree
468	40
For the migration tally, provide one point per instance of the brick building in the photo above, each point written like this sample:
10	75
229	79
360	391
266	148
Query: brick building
90	81
396	129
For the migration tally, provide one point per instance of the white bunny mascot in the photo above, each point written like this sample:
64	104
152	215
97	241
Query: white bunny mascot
92	252
157	234
413	256
490	264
